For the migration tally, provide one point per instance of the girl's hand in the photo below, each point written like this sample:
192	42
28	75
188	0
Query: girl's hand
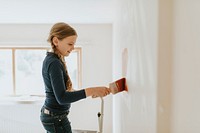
97	91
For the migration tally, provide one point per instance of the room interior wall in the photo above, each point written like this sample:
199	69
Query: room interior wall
135	28
171	29
186	67
164	69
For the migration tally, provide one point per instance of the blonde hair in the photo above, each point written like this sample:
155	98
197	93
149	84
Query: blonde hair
61	30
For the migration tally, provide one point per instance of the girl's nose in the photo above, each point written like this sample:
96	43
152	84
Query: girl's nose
73	47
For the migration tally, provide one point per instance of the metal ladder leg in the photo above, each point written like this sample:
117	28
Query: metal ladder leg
100	116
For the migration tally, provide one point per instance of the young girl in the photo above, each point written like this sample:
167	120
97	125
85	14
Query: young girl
58	86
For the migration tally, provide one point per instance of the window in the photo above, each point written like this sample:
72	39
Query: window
6	71
20	70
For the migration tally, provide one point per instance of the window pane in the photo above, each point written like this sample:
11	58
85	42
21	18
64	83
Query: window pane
72	66
6	78
29	72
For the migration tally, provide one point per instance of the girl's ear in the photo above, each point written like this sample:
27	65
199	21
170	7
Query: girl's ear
55	41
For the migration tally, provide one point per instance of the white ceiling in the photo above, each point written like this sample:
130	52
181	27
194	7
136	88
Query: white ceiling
50	11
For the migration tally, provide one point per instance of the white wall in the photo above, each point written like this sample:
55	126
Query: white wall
96	42
164	69
97	70
186	67
20	118
162	38
135	28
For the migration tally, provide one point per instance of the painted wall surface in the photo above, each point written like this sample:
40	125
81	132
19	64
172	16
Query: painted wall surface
96	43
186	67
176	78
164	69
135	28
20	118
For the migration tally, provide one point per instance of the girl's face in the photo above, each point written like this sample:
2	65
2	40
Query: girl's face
66	45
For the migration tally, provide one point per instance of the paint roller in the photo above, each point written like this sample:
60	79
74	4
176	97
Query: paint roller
118	86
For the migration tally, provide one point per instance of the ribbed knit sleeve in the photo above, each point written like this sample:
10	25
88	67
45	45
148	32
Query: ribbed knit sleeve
57	79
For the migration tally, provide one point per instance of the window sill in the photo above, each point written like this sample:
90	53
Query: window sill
23	99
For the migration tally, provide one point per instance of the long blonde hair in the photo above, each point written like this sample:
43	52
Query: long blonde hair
61	30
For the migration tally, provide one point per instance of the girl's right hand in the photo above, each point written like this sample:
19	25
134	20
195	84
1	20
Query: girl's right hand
97	91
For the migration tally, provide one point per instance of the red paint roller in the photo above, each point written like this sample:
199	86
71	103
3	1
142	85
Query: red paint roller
118	86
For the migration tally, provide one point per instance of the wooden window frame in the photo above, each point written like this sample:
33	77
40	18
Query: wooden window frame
13	49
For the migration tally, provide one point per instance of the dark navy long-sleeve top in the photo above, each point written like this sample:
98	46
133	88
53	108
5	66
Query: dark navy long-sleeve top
55	77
